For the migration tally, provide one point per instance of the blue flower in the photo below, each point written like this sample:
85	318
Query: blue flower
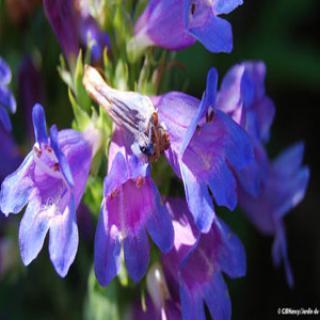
176	24
207	149
7	100
50	181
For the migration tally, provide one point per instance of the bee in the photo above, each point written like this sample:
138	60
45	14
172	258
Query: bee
131	111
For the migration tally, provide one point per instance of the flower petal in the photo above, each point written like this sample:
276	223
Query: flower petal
136	254
223	186
64	239
5	119
7	100
33	229
215	34
232	256
107	248
16	188
217	298
5	72
63	163
39	124
279	252
191	305
159	225
207	101
199	200
225	6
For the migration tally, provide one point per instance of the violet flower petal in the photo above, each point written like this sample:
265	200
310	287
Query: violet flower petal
39	124
33	229
64	239
5	73
191	306
136	253
7	100
107	248
213	32
217	298
225	6
16	188
63	163
5	119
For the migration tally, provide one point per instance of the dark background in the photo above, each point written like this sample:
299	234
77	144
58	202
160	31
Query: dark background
286	35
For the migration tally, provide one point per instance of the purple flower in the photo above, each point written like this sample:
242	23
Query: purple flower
7	101
207	149
283	189
176	24
267	191
92	37
50	181
242	96
64	21
31	90
75	27
131	207
192	270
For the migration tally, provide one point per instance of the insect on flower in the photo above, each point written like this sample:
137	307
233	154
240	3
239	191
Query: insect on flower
131	111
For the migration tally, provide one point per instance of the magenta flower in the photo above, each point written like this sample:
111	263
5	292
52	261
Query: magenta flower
50	181
207	149
178	24
7	100
131	207
192	270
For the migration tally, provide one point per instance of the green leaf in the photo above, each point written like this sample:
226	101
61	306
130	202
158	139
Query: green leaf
102	303
81	94
82	119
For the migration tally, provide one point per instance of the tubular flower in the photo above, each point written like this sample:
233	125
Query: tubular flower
131	206
207	149
192	270
242	96
203	145
50	181
75	27
283	189
7	101
64	22
268	190
178	24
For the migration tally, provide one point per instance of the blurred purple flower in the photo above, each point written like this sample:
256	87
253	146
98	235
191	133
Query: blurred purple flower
283	189
31	90
267	190
75	27
242	96
64	21
50	181
7	100
178	24
207	149
131	206
10	156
